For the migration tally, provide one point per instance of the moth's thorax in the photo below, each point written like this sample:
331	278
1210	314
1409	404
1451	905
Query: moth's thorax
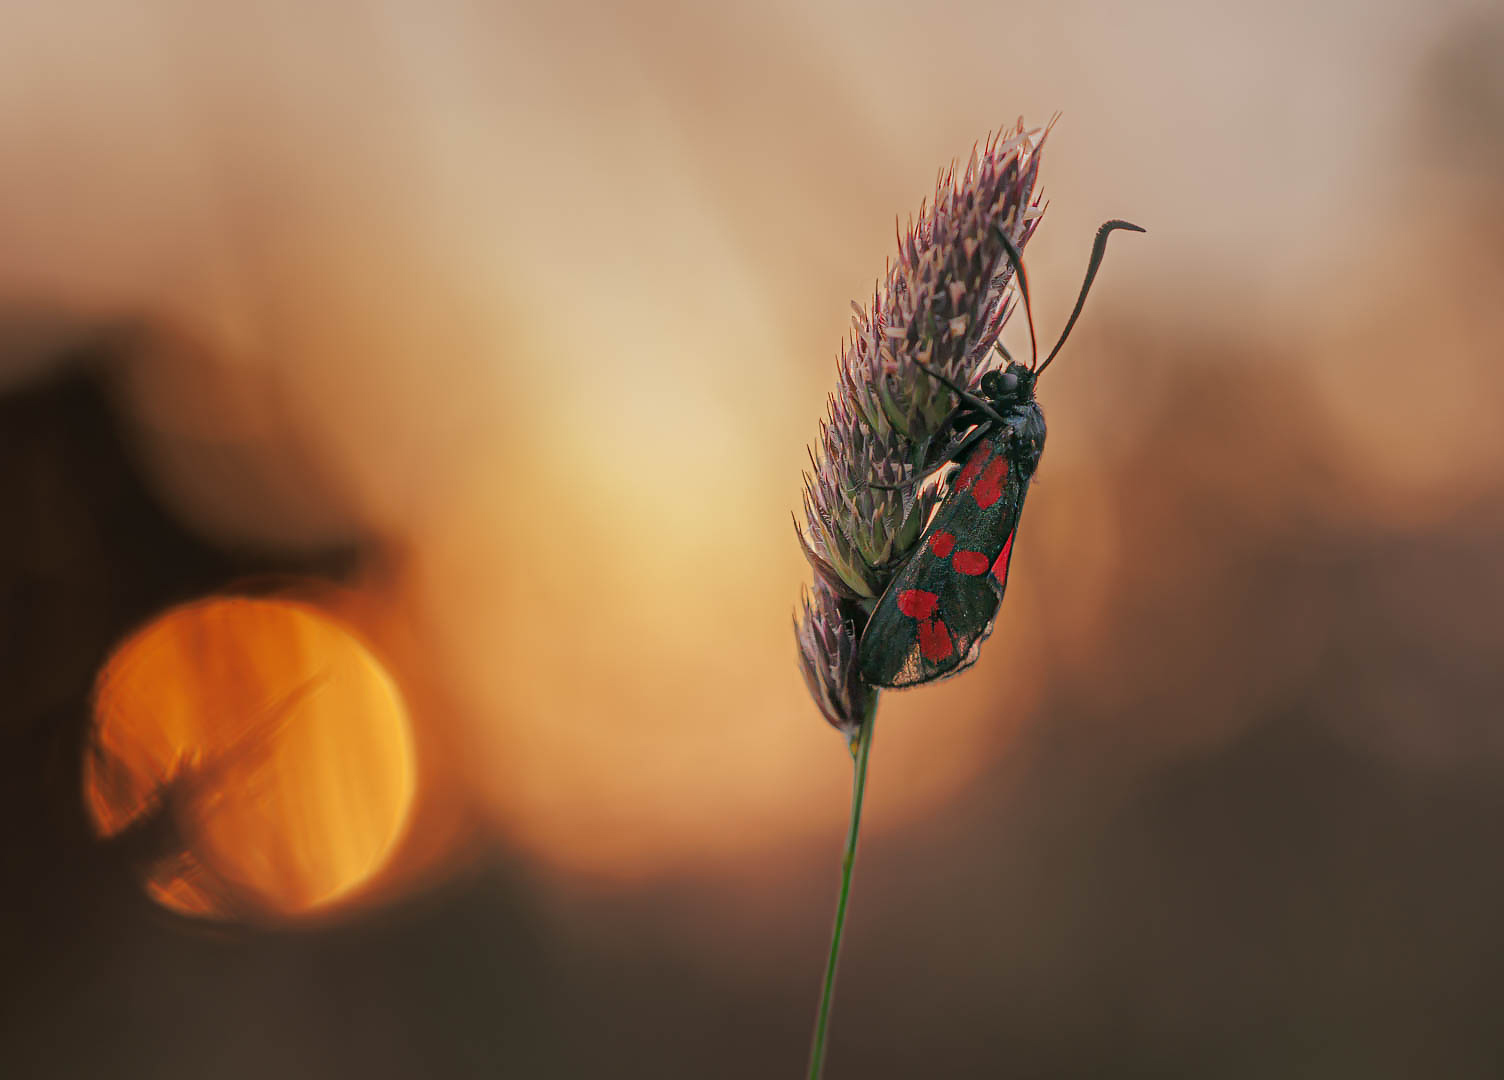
1026	433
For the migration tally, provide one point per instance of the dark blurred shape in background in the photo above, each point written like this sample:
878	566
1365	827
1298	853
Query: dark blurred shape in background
495	338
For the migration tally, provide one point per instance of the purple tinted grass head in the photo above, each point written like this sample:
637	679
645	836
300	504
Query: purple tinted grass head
943	304
827	653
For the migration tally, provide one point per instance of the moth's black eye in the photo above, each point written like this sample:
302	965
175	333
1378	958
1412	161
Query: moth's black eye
997	384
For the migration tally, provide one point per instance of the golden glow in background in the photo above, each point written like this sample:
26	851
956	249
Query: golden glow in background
547	299
274	741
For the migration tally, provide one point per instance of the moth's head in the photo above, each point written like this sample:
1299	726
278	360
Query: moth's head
1012	386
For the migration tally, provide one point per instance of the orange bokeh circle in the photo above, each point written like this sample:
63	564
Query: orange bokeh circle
270	740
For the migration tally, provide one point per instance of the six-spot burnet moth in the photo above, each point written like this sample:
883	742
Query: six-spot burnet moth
940	607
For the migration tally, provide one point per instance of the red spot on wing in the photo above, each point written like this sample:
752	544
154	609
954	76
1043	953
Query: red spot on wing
934	640
990	487
917	603
973	467
1000	568
971	563
942	543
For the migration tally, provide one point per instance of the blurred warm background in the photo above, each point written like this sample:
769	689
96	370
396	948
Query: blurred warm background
401	408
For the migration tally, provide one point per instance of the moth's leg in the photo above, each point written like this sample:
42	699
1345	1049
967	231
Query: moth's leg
979	404
961	419
953	454
957	450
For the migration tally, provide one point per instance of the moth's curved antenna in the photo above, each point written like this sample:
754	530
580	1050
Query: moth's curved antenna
1098	249
1016	258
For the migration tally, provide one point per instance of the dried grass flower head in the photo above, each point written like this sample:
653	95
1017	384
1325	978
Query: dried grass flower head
943	305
